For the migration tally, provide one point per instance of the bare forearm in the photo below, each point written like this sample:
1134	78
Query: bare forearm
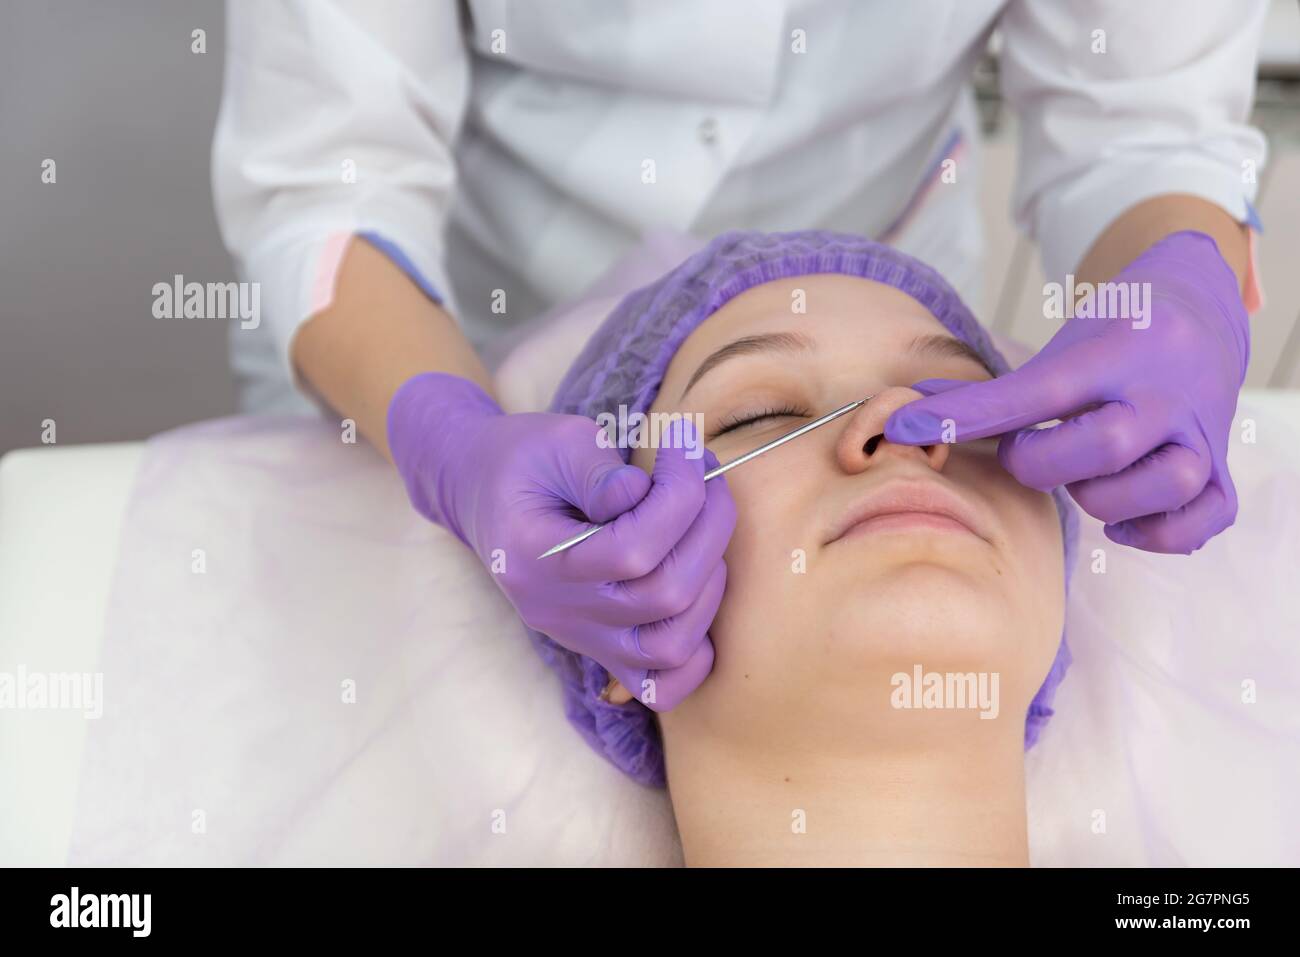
379	331
1150	221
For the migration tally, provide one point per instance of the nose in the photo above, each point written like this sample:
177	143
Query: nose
862	443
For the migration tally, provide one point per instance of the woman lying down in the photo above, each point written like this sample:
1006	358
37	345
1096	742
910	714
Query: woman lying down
890	635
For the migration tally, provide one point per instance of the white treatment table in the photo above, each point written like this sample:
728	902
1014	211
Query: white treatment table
61	514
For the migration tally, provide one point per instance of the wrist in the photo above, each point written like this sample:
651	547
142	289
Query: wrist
1187	268
434	419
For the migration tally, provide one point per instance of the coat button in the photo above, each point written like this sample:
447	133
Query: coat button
708	131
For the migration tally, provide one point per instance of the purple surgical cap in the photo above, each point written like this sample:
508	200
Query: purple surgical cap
624	363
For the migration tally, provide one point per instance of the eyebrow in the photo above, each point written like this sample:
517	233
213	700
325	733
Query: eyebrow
939	346
931	346
748	346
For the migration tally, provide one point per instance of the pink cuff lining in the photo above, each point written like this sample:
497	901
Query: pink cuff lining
327	271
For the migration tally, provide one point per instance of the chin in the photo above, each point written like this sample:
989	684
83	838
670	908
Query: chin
936	615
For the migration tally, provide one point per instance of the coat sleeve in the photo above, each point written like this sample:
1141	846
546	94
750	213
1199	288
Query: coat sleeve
1119	102
338	118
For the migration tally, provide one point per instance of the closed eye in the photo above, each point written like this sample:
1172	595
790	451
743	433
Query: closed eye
743	420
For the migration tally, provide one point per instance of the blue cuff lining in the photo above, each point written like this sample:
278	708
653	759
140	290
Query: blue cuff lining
403	262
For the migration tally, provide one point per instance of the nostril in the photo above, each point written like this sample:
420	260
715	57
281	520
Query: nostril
872	442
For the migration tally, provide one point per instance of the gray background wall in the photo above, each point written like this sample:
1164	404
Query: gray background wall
112	93
110	90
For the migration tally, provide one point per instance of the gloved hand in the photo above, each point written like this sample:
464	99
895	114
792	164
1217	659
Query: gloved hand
1146	409
638	596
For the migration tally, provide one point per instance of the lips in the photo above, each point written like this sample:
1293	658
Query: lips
900	504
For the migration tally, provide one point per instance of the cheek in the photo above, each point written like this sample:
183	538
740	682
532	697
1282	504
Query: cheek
1032	550
1036	552
766	560
749	569
1028	517
642	459
1035	529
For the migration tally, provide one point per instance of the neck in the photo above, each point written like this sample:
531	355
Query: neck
962	805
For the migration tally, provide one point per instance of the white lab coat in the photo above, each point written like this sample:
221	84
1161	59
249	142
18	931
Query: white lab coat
513	149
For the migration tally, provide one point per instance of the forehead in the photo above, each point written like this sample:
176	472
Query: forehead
849	317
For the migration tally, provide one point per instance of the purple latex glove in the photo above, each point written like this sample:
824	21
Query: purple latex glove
1147	404
638	596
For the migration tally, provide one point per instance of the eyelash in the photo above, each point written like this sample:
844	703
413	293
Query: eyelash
751	418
